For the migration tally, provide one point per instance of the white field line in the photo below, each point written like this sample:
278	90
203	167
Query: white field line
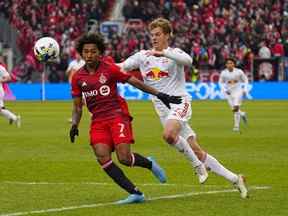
69	208
108	184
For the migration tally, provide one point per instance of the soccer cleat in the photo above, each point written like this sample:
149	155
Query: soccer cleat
132	198
236	129
244	118
11	121
201	173
158	172
18	121
240	185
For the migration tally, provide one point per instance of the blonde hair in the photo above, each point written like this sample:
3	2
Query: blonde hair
163	23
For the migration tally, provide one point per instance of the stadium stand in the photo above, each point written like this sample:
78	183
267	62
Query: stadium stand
210	30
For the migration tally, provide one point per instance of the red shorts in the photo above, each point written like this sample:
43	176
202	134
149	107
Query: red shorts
111	132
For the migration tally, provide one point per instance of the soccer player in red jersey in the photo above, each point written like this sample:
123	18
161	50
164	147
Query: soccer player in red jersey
111	128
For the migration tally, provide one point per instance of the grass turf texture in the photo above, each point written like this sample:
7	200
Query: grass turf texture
41	152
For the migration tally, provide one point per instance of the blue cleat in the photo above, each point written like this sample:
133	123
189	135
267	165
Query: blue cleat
132	198
158	172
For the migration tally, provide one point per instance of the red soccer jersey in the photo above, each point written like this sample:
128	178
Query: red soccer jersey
100	90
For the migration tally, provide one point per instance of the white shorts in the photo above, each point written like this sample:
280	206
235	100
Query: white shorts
235	98
181	112
1	96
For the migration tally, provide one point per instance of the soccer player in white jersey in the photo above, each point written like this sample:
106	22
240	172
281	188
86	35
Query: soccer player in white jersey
234	85
74	66
5	77
162	67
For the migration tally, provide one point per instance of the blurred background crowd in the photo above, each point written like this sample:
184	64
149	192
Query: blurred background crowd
208	30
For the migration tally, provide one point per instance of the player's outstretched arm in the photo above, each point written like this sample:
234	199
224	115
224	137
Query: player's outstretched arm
76	117
165	98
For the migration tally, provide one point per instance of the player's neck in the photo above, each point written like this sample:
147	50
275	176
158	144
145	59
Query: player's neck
92	68
161	48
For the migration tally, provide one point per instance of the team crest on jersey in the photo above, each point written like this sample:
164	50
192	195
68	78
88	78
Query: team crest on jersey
156	74
102	79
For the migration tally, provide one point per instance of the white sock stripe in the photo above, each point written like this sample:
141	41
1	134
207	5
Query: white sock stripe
133	159
108	163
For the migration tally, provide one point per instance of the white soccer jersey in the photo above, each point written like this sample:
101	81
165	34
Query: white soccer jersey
3	71
165	73
233	81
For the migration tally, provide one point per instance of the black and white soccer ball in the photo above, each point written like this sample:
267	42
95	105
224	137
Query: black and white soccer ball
46	49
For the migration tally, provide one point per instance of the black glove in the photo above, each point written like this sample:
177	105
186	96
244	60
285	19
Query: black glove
167	99
73	132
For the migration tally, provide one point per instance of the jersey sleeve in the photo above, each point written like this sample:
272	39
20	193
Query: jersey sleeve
118	75
178	55
75	88
133	62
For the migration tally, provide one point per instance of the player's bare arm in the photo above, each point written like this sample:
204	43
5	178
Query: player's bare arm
76	117
166	99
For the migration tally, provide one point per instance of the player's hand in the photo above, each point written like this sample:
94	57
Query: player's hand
228	92
73	132
167	99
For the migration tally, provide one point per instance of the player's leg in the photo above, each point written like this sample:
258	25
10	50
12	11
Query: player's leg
122	135
238	114
103	154
186	132
215	166
238	101
237	118
102	145
173	137
6	113
126	157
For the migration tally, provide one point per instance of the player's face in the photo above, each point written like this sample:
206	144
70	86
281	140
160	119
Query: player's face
90	54
230	65
159	39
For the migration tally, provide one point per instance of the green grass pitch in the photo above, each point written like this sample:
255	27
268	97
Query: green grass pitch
42	173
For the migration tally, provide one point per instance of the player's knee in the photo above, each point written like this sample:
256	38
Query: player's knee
169	138
103	159
124	158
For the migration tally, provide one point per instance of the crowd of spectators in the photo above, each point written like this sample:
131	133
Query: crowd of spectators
209	30
64	20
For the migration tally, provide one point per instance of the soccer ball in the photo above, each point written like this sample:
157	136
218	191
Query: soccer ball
46	49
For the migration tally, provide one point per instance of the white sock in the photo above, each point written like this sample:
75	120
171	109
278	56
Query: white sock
183	146
9	115
219	169
242	113
237	119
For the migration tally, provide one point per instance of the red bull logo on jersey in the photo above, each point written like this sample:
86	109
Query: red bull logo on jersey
156	74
